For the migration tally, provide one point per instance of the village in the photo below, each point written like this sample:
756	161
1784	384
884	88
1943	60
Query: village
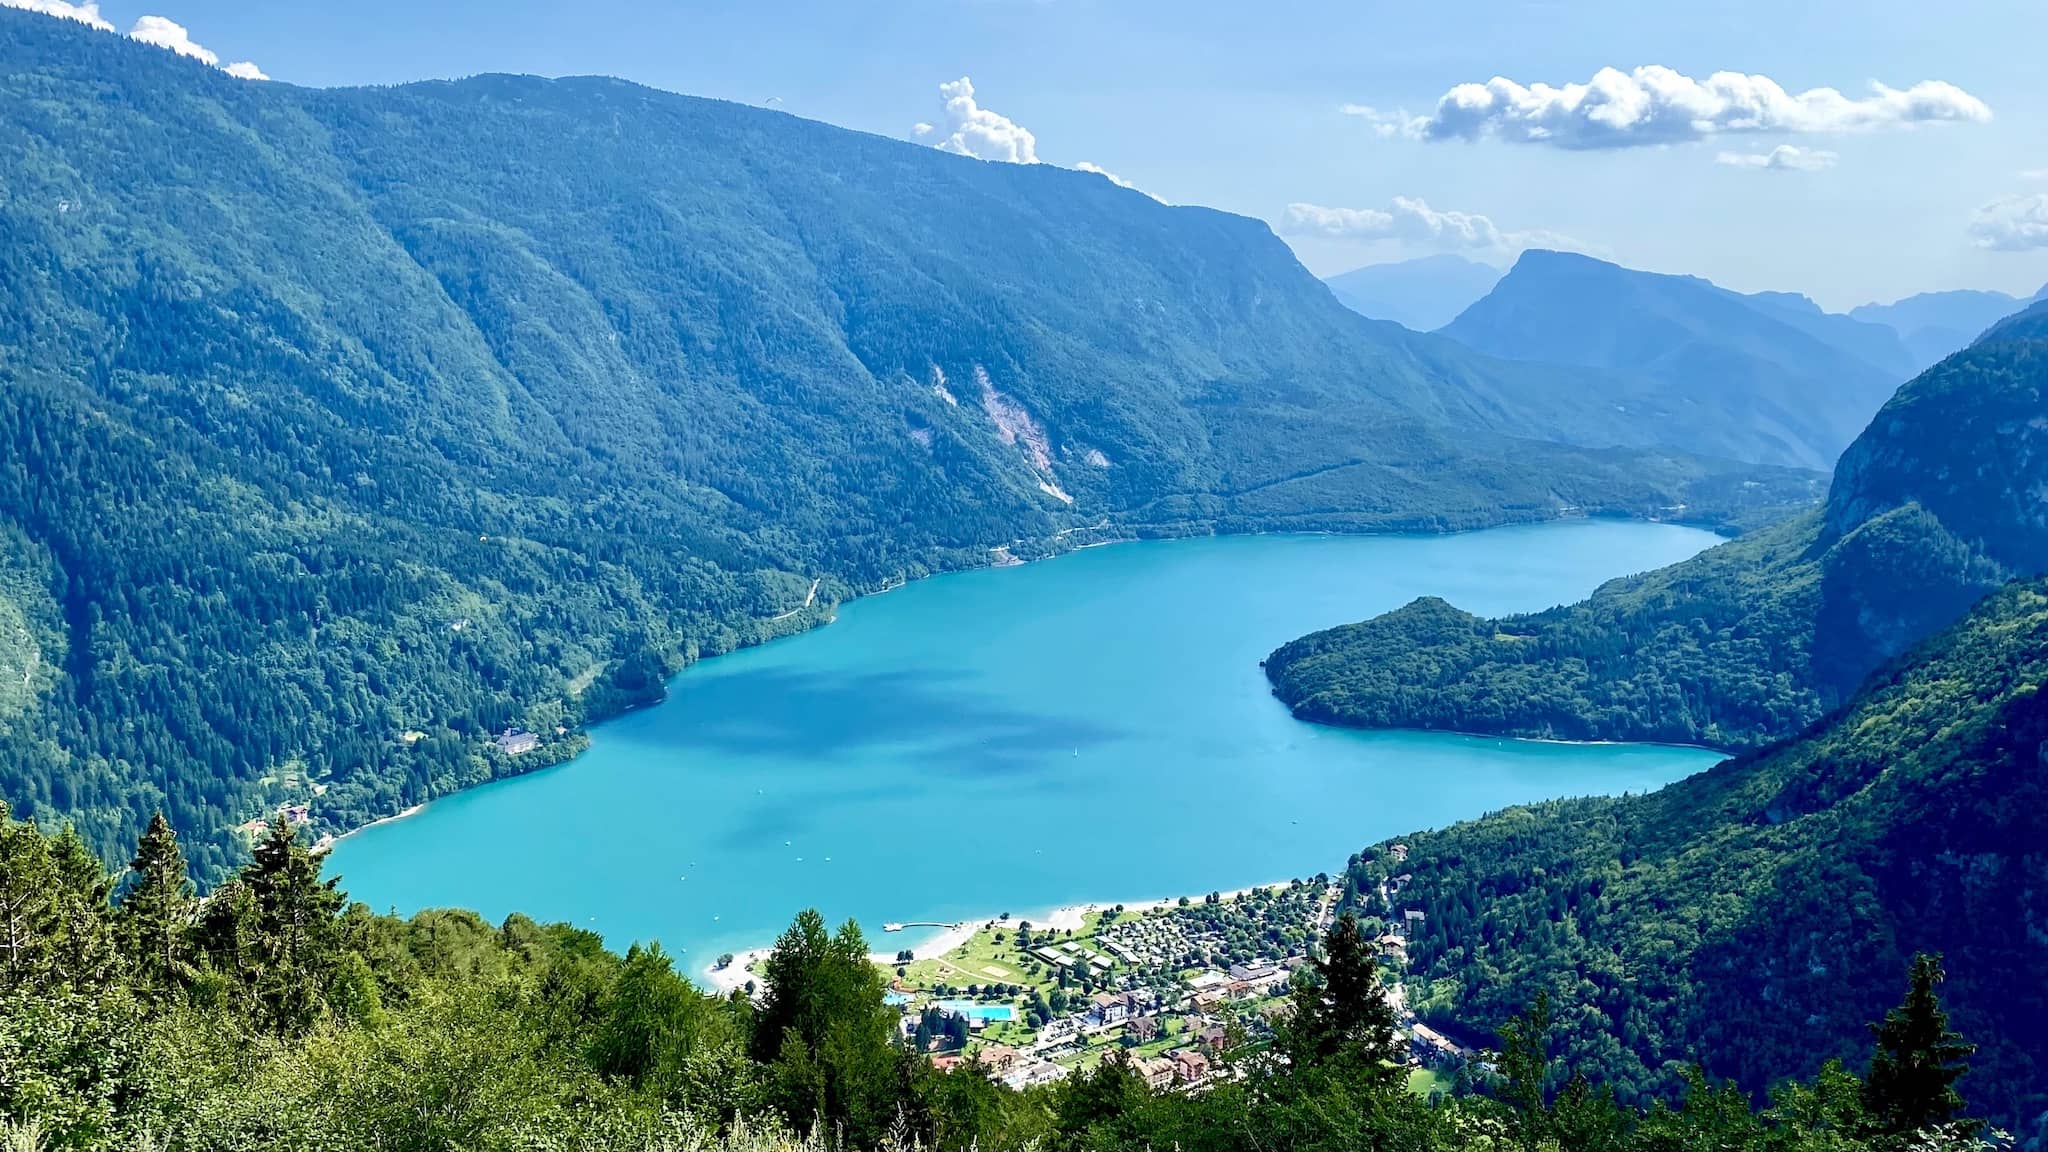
1174	988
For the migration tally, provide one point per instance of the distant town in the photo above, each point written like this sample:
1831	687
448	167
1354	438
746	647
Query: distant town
1177	989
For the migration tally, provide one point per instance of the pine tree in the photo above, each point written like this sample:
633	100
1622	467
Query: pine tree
1341	1007
1912	1082
278	930
1524	1067
156	912
30	905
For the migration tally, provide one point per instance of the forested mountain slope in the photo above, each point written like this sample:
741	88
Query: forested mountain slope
1768	377
342	429
1751	917
1942	499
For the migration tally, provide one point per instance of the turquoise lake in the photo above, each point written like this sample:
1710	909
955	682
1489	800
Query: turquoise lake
1090	728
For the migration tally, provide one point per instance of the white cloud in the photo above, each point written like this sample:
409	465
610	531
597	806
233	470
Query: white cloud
972	130
2012	223
1113	178
1657	105
1783	158
1385	124
88	14
1414	222
2032	175
167	33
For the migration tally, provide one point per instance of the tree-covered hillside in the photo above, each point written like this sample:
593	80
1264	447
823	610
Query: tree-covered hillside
1754	916
274	1015
1936	504
340	430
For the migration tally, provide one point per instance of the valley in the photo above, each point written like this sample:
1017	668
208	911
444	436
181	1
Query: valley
541	613
1087	728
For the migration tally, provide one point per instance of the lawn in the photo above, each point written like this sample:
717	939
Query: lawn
1424	1081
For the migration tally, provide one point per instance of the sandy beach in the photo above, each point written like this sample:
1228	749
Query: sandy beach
412	811
1066	918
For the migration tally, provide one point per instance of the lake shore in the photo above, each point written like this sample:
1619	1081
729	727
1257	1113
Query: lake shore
1065	918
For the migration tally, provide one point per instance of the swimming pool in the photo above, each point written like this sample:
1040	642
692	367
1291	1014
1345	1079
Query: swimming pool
994	1013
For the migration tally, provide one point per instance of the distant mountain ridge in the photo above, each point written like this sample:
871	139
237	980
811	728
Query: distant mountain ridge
1943	498
1767	378
1934	324
1423	294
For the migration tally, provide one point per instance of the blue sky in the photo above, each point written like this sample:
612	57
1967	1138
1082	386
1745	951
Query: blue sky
1241	106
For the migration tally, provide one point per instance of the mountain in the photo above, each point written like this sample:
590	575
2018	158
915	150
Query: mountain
1753	917
1423	294
1937	503
1934	324
343	429
1768	378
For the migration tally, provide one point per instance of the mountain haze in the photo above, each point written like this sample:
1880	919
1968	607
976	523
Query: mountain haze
1770	378
1934	324
1423	294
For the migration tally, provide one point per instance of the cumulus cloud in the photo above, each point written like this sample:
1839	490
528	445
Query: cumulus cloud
972	130
2012	223
1113	178
167	33
1658	105
1783	158
1413	221
88	14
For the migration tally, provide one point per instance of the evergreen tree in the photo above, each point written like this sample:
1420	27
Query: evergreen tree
157	911
825	1025
1912	1082
1340	1006
276	933
30	892
1524	1065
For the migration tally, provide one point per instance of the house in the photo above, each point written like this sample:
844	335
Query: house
1050	956
1159	1073
1214	1039
1253	972
1143	1029
516	742
298	814
947	1061
1429	1046
998	1058
1411	920
1189	1066
1099	963
1206	981
1109	1008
